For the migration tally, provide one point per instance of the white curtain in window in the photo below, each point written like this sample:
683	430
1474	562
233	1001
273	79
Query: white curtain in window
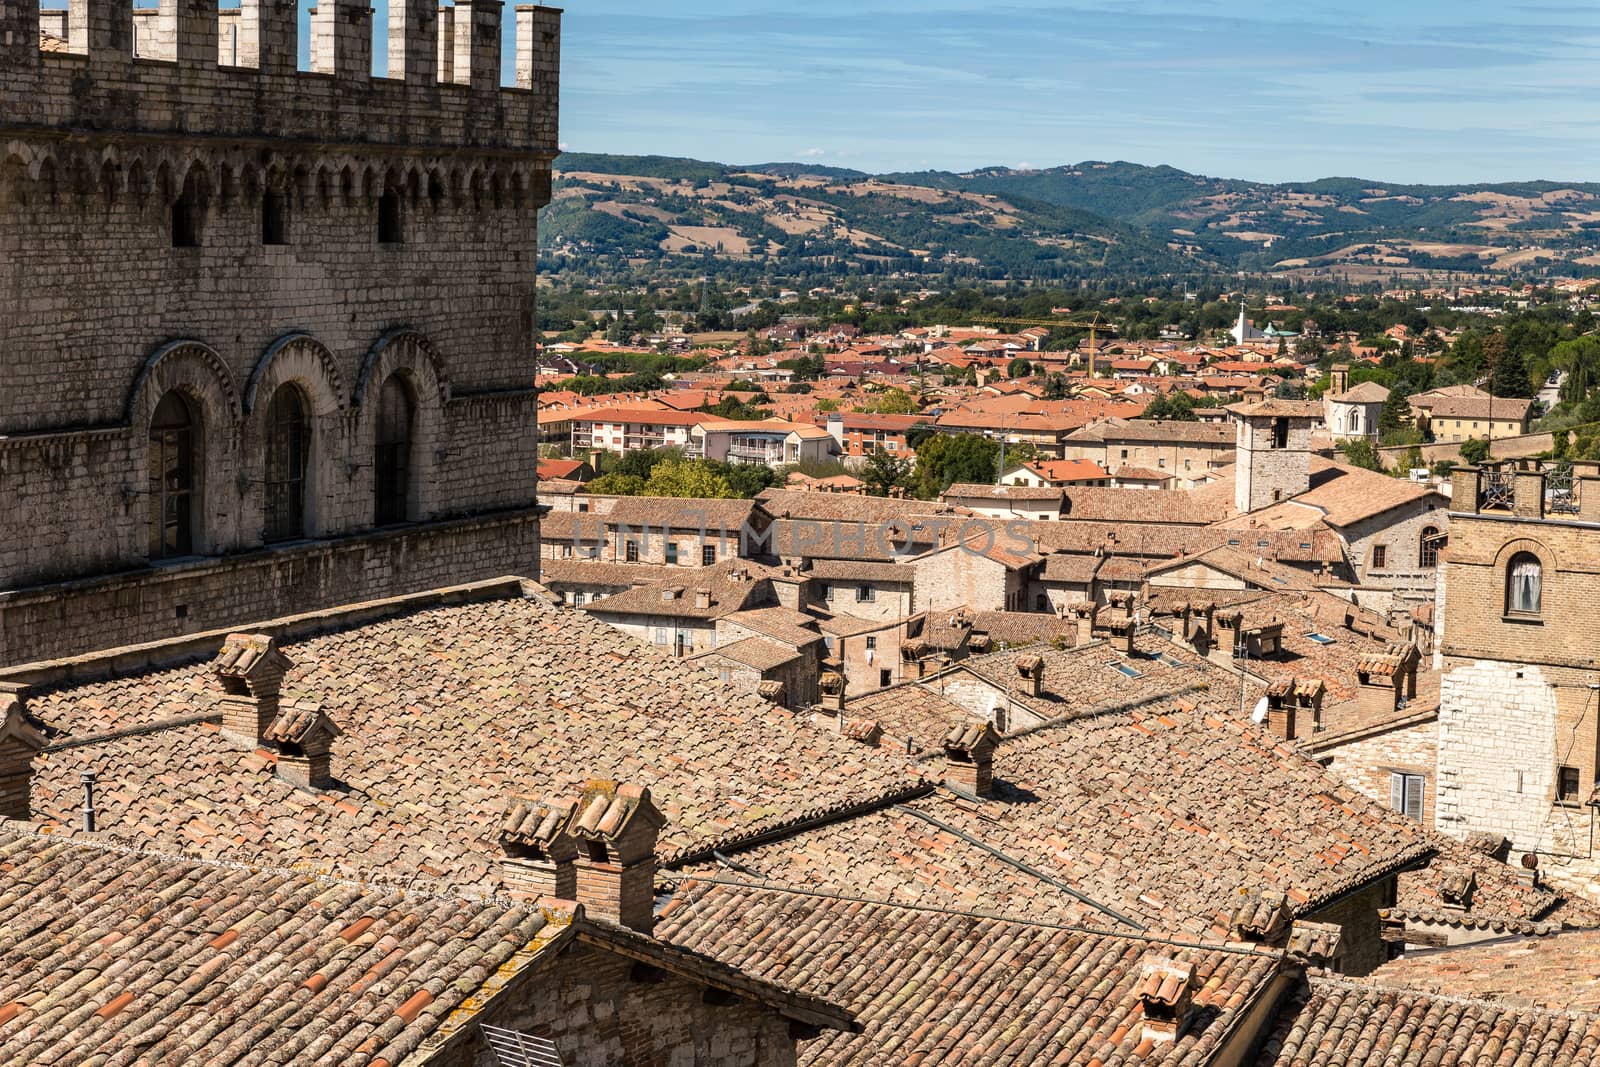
1525	585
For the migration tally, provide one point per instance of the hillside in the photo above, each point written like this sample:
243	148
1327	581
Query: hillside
1084	220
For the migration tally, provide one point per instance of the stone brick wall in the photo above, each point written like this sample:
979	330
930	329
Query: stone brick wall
1368	759
889	601
1267	474
1400	532
601	1009
72	618
106	314
1362	946
957	578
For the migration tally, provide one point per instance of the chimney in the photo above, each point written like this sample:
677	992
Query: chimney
1317	945
1262	918
702	599
1456	885
616	827
539	851
1166	994
304	738
1225	632
1386	679
1031	668
20	741
1085	612
969	757
250	670
832	686
1294	706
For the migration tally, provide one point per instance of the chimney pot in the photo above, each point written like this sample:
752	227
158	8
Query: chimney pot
249	670
969	757
1166	994
539	850
616	827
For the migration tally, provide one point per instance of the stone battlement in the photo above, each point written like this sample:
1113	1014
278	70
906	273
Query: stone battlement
190	70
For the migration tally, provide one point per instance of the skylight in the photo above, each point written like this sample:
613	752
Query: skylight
1127	671
1321	639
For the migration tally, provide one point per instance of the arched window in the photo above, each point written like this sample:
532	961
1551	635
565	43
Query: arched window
188	212
390	229
1355	420
288	448
1428	551
173	475
1524	585
392	460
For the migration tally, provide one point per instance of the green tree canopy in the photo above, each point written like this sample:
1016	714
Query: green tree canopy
687	478
886	471
1178	406
946	459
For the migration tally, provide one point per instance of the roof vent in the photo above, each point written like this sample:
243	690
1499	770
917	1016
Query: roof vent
1262	918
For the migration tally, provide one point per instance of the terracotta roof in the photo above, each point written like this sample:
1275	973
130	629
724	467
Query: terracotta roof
784	625
754	652
967	491
839	570
130	957
680	513
1016	628
944	988
1294	409
1157	431
1177	507
734	585
799	504
1335	1022
1068	470
445	713
1471	407
1365	393
1131	473
594	572
1070	568
1559	973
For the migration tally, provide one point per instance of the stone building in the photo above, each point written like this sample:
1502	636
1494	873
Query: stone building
1352	414
268	333
1273	451
1520	692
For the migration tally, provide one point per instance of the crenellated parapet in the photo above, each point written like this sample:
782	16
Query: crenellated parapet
189	69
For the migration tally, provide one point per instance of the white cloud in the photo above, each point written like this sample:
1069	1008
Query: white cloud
813	153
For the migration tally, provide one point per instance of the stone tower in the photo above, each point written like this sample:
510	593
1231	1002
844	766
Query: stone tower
1273	451
268	334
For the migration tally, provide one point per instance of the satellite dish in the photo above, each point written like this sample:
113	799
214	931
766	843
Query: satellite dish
1260	714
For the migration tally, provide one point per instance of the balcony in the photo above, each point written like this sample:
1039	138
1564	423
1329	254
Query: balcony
1529	489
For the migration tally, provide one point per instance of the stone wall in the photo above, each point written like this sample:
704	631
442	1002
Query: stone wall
1362	947
890	600
1399	530
960	578
1367	759
1266	474
72	618
601	1009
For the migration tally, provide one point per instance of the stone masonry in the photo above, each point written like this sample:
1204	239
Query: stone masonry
172	224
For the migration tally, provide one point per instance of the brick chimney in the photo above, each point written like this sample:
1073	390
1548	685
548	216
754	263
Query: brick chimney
1262	918
303	736
969	757
616	827
539	851
20	741
1031	670
1294	706
1317	944
250	670
1166	995
702	599
1085	612
1386	678
832	687
1225	632
1456	885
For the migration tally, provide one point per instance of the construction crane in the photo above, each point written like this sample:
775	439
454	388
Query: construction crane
1094	322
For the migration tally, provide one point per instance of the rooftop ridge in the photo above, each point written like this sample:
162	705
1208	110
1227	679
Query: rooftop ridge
1373	986
196	77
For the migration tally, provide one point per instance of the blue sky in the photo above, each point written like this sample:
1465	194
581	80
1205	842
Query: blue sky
1411	90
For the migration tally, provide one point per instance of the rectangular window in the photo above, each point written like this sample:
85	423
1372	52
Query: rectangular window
1405	794
1380	557
1567	784
708	555
885	678
872	644
1280	433
672	552
661	635
630	551
865	594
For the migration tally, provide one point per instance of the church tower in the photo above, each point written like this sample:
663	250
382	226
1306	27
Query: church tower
1272	460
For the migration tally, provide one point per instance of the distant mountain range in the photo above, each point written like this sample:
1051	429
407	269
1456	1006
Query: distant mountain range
1083	220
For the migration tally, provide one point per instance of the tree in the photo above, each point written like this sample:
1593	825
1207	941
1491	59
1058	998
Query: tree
1177	406
687	478
1474	451
1396	415
1019	368
617	484
893	401
1358	452
1056	387
1509	373
944	460
885	472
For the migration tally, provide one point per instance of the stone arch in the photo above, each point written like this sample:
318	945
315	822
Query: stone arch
1520	548
409	354
195	370
300	361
